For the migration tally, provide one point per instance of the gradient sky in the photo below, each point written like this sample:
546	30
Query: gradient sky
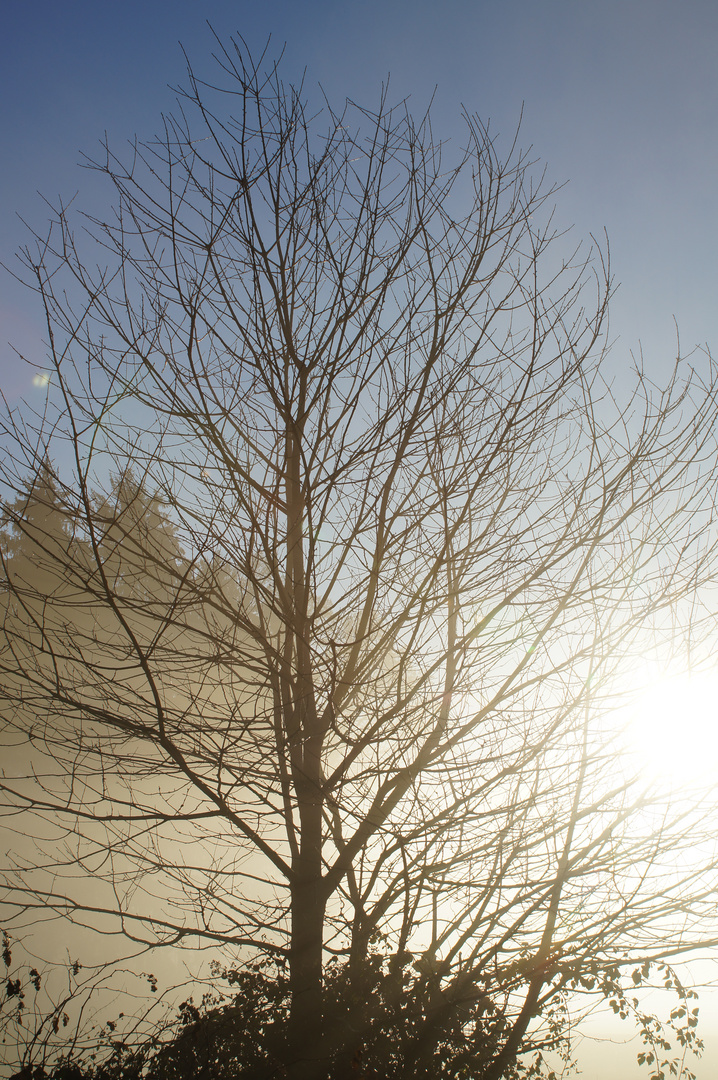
620	101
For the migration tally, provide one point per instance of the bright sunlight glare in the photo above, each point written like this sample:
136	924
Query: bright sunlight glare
672	728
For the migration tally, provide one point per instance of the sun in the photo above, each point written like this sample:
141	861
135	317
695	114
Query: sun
672	728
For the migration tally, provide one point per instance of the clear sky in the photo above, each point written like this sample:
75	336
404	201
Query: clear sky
620	100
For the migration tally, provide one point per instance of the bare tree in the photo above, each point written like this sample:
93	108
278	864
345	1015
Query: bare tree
325	561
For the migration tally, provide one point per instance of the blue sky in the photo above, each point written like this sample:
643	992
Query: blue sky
620	100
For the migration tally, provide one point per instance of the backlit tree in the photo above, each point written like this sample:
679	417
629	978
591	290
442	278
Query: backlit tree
341	547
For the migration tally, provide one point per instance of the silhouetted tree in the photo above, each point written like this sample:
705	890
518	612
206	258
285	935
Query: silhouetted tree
334	658
239	1026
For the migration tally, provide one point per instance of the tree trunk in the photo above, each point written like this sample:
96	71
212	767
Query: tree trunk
306	1055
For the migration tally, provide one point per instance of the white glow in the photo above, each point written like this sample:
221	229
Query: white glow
672	728
41	380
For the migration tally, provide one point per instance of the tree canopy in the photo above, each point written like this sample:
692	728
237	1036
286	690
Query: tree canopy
326	562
